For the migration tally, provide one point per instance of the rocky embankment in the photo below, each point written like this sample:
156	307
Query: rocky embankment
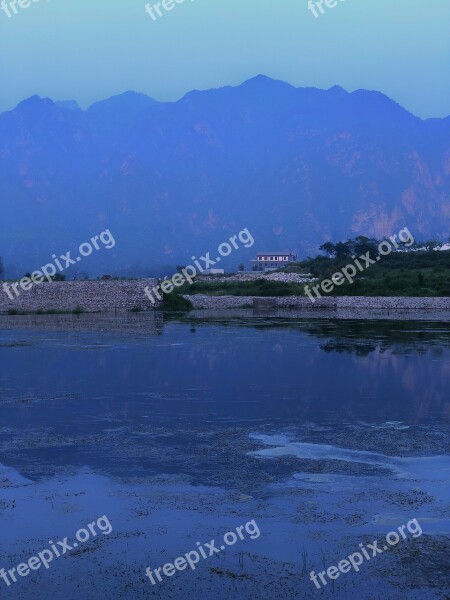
88	296
253	275
202	301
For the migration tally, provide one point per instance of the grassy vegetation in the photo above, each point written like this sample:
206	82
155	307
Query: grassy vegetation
398	274
425	274
174	302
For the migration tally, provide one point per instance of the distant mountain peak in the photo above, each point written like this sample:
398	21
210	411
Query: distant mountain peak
34	101
260	78
264	81
70	104
372	100
337	89
118	112
126	99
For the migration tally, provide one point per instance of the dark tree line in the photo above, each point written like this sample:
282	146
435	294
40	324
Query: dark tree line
362	244
344	250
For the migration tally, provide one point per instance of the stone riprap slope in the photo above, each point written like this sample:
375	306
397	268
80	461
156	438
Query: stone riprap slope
90	296
201	301
254	275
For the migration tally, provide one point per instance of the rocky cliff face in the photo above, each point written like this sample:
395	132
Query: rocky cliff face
296	167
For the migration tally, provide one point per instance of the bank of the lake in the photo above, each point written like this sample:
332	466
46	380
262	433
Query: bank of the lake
76	296
347	303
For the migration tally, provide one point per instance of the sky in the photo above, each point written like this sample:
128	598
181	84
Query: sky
88	50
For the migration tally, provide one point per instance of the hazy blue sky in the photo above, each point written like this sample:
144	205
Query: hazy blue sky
90	49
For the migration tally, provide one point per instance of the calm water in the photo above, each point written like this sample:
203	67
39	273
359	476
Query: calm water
326	431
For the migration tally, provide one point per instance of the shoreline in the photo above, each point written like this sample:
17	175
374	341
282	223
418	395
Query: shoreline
332	304
79	296
114	297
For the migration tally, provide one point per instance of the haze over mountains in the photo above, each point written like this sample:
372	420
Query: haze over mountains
296	166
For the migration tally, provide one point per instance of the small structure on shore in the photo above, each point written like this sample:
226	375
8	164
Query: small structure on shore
270	261
213	272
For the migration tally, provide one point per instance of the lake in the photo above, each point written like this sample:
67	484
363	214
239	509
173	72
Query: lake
326	434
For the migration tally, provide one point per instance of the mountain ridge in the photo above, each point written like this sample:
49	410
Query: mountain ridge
296	166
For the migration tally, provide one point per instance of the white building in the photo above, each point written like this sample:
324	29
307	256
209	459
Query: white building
213	272
269	261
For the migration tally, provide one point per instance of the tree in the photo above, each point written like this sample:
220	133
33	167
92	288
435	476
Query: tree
344	250
431	244
364	244
329	248
241	267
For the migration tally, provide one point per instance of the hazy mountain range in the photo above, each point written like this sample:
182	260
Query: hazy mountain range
296	166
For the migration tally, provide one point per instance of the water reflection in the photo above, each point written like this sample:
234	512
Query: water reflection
132	393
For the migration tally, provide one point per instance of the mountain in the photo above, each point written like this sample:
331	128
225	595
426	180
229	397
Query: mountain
296	166
72	104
